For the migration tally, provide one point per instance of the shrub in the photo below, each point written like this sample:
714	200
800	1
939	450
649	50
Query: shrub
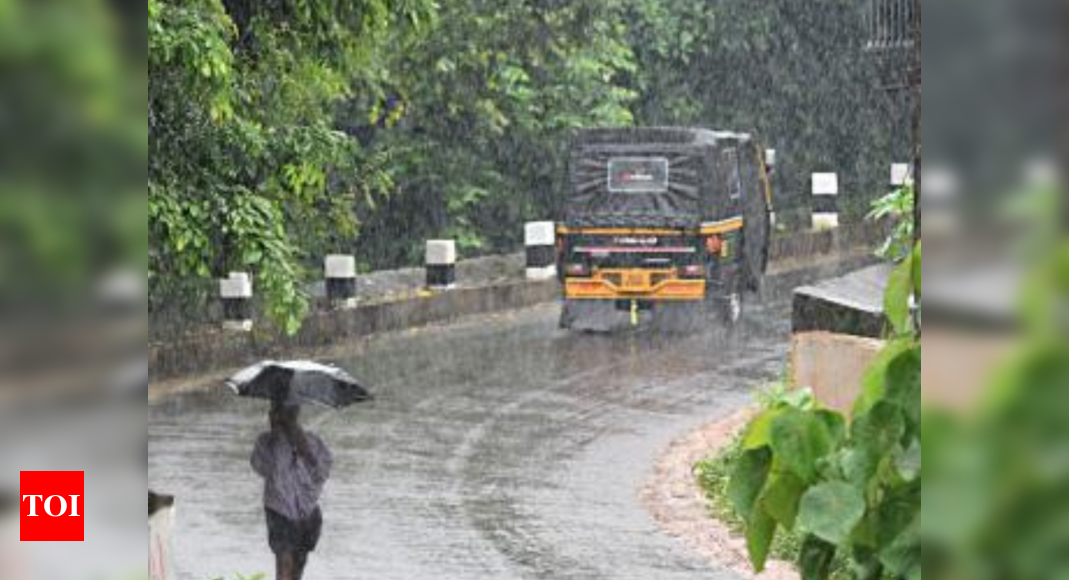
847	486
898	207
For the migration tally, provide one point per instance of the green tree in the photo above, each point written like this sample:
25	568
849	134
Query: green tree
283	130
489	94
247	169
794	73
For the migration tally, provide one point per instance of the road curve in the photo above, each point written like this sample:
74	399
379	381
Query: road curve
499	448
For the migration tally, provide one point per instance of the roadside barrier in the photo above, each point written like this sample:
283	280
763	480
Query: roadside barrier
340	273
540	247
440	261
236	294
901	174
825	209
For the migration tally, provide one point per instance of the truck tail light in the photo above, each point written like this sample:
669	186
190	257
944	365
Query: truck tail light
576	269
692	271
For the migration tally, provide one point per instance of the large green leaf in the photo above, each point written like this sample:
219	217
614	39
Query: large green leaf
748	479
880	428
896	297
875	435
874	380
903	385
835	422
830	510
902	558
780	497
760	531
800	439
815	558
759	432
898	509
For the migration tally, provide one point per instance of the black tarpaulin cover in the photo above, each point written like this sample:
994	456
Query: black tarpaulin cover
602	161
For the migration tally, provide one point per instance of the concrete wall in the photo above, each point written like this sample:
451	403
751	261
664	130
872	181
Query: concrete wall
831	365
395	300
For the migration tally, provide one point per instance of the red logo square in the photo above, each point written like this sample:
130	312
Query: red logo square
52	506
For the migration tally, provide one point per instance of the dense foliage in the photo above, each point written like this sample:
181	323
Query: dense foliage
796	74
247	167
897	208
849	486
280	131
488	95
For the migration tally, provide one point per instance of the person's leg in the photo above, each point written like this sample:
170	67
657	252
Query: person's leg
310	529
285	566
281	537
299	561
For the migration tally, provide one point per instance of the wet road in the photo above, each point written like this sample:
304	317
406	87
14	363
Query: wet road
499	448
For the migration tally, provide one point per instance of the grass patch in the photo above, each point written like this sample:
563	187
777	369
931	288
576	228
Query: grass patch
713	475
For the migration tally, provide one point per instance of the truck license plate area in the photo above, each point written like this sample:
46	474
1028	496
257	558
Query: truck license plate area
635	281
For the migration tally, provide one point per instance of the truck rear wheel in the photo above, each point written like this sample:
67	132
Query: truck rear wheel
567	315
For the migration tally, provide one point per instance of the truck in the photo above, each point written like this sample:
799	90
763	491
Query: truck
663	218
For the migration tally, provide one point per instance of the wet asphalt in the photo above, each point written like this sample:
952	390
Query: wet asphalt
499	448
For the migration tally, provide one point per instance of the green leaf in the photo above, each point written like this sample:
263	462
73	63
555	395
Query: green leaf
815	558
903	382
799	440
874	380
759	431
899	508
760	531
751	472
780	498
875	435
917	268
908	461
253	256
835	423
902	559
897	297
830	510
880	428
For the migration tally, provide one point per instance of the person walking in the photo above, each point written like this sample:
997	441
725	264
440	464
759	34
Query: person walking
294	465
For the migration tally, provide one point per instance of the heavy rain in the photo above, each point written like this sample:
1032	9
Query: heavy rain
531	290
600	208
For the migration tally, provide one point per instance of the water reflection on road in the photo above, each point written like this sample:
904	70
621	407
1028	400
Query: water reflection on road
498	448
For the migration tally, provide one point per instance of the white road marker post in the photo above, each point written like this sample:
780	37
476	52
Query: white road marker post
440	261
901	174
825	207
236	294
540	246
340	273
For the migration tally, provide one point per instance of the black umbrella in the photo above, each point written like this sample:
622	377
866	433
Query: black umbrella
298	381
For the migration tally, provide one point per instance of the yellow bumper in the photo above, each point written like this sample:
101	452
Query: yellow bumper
634	285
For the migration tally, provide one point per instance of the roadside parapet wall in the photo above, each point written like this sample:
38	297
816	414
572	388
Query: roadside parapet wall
398	299
837	330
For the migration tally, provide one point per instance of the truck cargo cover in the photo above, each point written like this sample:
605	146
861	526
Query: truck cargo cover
643	177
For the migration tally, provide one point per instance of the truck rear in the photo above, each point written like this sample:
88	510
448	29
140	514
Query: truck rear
662	218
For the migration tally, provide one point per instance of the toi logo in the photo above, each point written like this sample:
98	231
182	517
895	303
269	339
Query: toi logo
52	506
